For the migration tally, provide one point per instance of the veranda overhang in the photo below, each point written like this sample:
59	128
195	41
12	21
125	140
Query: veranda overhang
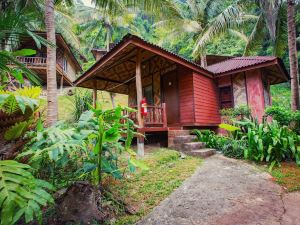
118	67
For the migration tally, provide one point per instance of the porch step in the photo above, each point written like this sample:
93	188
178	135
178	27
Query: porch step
192	146
181	139
203	153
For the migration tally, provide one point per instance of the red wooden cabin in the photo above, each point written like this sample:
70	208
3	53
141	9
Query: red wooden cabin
181	94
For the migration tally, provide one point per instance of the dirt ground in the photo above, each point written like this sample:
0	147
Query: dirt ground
227	191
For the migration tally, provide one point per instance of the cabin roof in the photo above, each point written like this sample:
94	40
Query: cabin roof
121	53
241	64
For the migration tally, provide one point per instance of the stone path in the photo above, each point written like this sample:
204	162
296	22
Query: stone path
227	191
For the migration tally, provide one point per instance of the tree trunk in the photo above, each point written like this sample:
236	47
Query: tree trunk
52	110
293	54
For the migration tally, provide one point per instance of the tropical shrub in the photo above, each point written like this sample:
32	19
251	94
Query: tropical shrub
237	113
285	117
111	127
17	109
82	101
207	136
91	147
234	148
21	194
55	152
271	143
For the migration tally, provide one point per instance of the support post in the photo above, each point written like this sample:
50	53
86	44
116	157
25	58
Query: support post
164	109
95	95
139	95
61	84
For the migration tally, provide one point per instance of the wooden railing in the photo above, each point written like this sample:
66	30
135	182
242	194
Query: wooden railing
33	61
156	116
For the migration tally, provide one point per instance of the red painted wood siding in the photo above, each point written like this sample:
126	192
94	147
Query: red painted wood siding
206	101
255	93
185	92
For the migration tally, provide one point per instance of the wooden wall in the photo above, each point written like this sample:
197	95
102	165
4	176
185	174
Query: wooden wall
186	96
255	92
206	101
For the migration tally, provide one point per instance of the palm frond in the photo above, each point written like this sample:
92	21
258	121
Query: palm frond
232	17
256	37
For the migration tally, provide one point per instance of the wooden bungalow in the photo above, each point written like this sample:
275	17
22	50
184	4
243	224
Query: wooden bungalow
67	66
181	95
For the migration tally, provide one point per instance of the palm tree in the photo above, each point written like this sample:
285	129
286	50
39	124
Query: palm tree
199	18
293	53
52	106
98	20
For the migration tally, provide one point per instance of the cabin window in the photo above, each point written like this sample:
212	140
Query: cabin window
148	94
226	97
65	64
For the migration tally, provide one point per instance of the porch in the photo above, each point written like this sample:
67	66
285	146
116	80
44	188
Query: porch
39	66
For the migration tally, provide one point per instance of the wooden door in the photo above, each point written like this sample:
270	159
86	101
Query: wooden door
170	96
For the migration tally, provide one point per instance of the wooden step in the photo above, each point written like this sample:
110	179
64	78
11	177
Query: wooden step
192	146
203	153
181	139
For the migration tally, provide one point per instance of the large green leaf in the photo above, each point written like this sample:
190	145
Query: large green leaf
20	193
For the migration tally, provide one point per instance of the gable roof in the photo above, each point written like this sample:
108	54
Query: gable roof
238	64
131	39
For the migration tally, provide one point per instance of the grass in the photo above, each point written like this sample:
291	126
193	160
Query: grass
288	176
144	190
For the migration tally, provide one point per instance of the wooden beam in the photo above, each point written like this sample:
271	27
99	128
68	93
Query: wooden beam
95	94
139	94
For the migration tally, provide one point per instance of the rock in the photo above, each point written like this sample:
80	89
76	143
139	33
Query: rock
79	205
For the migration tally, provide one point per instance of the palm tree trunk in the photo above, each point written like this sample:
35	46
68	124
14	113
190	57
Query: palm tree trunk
293	54
111	95
52	110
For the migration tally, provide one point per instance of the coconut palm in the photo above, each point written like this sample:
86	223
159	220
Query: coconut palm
292	45
199	17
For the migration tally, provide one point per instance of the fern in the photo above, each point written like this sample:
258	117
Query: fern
20	193
11	103
17	130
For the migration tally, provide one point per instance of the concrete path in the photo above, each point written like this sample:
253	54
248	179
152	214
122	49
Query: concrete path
226	191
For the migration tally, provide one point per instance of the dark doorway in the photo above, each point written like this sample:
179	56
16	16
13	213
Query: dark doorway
170	96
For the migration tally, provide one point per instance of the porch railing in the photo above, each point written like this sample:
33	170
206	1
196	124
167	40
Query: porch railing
33	61
156	116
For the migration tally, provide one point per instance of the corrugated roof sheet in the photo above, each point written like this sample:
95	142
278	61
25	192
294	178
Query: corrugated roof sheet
238	63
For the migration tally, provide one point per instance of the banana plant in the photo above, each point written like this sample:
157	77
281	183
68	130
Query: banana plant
111	128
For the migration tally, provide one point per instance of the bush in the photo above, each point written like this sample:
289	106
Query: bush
234	148
272	143
285	117
207	136
239	112
228	146
82	101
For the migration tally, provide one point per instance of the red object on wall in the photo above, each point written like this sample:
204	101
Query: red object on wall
144	110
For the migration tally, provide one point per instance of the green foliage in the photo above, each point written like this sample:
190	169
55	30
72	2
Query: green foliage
208	137
108	127
21	194
239	111
82	101
228	127
285	117
17	130
51	150
234	148
271	143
